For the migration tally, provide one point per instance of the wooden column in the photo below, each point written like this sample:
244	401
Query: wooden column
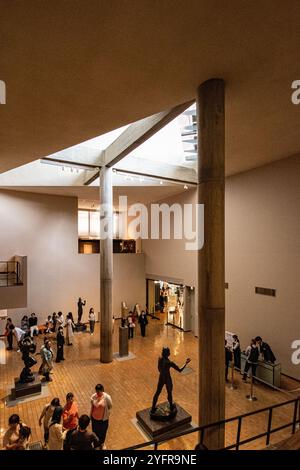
106	266
211	258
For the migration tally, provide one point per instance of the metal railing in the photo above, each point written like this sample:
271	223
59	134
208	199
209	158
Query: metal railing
10	273
239	420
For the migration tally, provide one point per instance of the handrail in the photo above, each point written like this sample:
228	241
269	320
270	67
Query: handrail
10	273
238	442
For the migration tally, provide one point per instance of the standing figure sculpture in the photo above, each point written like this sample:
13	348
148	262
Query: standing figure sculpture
164	366
80	304
27	348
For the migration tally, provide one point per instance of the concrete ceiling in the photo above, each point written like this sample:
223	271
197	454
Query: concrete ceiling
88	194
76	69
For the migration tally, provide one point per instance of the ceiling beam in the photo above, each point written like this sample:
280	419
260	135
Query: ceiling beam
138	132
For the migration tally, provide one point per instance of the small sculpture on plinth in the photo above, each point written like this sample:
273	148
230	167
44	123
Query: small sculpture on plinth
27	347
164	365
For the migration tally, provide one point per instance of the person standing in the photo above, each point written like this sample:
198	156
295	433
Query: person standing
70	418
70	334
60	321
228	358
80	304
19	334
81	438
265	350
9	334
10	438
60	341
101	405
56	433
130	324
47	360
92	320
46	417
252	355
33	325
143	321
236	347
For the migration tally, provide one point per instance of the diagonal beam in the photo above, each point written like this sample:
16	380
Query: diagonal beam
92	178
138	132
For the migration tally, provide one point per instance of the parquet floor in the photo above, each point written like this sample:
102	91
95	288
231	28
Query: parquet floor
132	384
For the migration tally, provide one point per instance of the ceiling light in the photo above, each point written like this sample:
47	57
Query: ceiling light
160	182
185	186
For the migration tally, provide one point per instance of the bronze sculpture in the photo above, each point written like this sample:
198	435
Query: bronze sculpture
164	366
27	347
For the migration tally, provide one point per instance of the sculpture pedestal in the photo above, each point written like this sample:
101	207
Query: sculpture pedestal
123	341
80	327
26	389
158	427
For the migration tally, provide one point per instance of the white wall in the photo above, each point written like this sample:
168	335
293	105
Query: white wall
45	229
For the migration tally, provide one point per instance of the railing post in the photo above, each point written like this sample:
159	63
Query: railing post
295	415
202	436
238	435
269	426
232	386
156	446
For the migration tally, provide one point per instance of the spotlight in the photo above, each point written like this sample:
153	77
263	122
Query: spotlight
185	186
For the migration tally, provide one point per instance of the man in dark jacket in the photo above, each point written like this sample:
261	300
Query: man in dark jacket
81	439
265	350
80	304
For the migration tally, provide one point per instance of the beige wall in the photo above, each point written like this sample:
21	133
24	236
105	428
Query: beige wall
45	229
15	296
263	249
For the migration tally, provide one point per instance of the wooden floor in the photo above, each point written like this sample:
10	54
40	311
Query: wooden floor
132	384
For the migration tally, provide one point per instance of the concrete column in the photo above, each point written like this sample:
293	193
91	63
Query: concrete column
211	258
106	264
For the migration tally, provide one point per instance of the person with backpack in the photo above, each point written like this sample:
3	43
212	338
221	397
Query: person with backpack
252	354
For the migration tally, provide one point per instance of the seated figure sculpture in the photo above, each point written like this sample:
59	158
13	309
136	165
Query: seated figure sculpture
27	347
164	366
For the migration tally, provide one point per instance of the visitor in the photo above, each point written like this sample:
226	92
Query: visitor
47	360
228	358
46	417
236	347
130	324
81	438
33	325
56	433
18	333
265	350
60	321
12	435
252	354
9	334
54	322
80	304
92	320
100	410
60	341
23	440
70	413
25	324
143	321
70	326
48	325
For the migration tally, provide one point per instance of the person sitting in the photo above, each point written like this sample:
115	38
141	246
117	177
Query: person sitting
81	438
25	324
33	325
265	350
49	325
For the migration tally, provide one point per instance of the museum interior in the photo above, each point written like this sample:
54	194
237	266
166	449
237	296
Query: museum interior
149	210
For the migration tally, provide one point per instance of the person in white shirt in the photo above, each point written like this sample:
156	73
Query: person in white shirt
60	320
19	334
92	320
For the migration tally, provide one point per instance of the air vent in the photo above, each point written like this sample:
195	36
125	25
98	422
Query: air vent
226	285
265	291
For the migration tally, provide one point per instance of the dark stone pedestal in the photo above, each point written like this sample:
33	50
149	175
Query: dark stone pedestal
123	341
80	327
26	389
157	428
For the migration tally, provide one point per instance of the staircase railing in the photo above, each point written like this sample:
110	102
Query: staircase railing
10	274
238	442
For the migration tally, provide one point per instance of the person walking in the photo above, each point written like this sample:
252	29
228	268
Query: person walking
56	433
70	326
92	320
101	405
46	417
143	321
60	341
47	360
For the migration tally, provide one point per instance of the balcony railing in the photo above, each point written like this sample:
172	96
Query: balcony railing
10	274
